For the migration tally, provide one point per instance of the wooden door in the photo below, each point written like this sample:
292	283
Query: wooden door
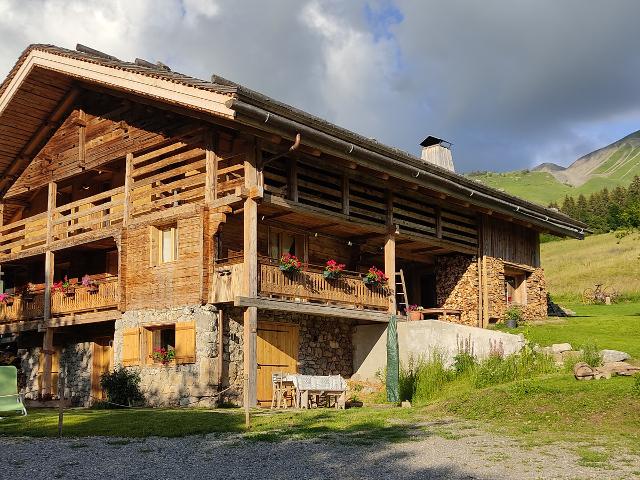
277	351
102	363
55	372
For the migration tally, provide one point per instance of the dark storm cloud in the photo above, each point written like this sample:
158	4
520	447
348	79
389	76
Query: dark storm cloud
511	83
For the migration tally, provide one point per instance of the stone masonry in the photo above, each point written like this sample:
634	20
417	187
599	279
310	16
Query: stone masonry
325	346
177	385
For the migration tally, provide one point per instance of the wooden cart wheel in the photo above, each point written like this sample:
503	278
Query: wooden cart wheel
588	296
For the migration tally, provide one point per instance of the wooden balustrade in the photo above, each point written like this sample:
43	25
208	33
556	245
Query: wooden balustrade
99	211
308	285
86	299
22	308
23	234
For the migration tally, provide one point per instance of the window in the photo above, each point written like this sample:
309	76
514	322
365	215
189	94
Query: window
281	242
164	244
139	344
515	283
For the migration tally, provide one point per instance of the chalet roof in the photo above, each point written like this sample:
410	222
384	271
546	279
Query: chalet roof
248	105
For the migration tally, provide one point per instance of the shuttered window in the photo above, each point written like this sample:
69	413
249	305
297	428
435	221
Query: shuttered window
186	342
55	372
131	347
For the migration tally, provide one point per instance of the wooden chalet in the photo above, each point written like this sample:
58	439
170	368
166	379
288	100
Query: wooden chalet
143	209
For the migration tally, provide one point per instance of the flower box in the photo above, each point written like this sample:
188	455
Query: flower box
333	270
375	278
290	263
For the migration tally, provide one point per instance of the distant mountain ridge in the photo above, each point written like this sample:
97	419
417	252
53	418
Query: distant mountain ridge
609	166
617	160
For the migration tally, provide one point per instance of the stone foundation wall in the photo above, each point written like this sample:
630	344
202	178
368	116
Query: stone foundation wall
324	348
457	287
173	385
29	364
76	362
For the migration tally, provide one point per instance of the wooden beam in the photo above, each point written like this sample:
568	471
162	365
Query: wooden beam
47	349
211	165
17	327
345	195
311	308
51	206
128	181
82	138
293	179
83	318
250	282
390	254
48	282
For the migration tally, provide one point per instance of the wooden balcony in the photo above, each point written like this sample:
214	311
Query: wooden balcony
308	286
80	218
104	295
78	300
23	308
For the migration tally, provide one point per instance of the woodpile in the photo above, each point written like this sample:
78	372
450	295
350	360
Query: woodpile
457	286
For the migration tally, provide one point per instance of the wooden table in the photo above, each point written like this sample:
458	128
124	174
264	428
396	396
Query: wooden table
441	311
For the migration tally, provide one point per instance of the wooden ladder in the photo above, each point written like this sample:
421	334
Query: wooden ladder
401	292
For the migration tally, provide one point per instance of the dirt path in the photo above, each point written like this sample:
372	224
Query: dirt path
436	451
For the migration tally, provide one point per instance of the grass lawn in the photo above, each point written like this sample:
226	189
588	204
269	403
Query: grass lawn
607	326
571	266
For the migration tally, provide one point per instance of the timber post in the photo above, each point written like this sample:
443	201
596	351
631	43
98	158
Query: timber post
127	189
390	255
47	342
250	282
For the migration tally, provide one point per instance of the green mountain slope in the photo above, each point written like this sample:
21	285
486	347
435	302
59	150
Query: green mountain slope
613	165
539	187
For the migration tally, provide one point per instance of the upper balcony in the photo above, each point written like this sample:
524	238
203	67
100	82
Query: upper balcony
102	292
308	286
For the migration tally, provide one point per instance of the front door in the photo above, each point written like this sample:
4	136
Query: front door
277	352
102	363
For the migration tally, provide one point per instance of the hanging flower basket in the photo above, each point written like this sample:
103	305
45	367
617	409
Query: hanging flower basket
333	270
375	278
6	299
91	285
290	263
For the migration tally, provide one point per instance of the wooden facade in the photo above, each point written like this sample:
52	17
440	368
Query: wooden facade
158	197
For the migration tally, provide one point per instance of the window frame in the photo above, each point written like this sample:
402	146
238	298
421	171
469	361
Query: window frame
519	294
157	242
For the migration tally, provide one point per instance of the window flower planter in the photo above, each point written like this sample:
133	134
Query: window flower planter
290	263
375	278
333	270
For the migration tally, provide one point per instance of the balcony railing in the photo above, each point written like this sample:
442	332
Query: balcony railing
308	285
97	212
27	307
80	299
103	295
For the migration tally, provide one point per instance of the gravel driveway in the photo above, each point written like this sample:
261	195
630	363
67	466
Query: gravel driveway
431	454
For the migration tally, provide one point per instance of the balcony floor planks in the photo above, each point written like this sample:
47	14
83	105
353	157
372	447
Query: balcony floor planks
312	309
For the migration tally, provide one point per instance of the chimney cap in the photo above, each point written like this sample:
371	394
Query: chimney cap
431	140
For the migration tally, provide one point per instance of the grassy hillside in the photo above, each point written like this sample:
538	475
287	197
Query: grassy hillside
539	187
573	265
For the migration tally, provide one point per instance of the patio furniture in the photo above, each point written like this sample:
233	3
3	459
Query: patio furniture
284	391
316	389
10	400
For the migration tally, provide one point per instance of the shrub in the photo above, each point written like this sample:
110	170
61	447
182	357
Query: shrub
590	355
514	312
122	387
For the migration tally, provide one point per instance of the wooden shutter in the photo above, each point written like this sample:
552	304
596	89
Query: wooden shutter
186	342
131	347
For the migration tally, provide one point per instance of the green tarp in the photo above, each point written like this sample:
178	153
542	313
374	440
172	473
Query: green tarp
393	362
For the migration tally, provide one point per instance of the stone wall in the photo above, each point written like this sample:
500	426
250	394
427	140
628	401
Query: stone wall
75	367
171	385
457	286
29	363
324	348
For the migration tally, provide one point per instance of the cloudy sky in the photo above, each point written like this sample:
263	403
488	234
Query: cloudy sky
511	83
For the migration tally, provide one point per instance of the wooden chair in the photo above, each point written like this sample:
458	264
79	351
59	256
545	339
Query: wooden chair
277	394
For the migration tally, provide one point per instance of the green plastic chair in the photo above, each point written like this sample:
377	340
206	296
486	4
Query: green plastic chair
10	400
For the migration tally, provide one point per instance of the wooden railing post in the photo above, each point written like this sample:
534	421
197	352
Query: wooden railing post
126	210
250	281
